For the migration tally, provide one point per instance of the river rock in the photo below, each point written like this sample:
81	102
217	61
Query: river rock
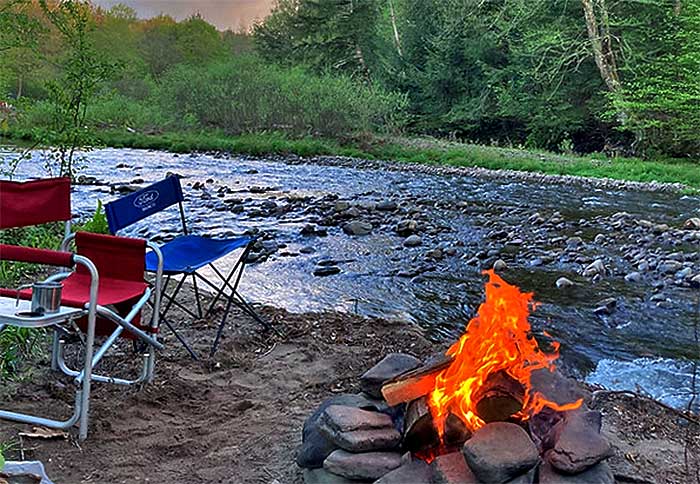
341	206
406	227
357	430
573	242
606	306
357	227
578	443
412	241
692	223
564	283
387	206
322	476
452	469
493	461
597	267
315	446
392	365
368	465
326	271
413	472
599	239
695	280
669	266
500	265
684	273
633	277
598	474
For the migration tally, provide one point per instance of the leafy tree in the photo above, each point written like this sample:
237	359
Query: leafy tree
333	35
83	71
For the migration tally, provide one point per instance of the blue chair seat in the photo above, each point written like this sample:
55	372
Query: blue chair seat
188	253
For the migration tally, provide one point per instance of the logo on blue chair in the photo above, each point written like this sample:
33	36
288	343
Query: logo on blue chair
146	200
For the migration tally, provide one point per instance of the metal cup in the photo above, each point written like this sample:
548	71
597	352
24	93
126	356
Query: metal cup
46	296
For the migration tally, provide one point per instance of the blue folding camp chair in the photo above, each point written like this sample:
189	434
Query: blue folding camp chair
185	254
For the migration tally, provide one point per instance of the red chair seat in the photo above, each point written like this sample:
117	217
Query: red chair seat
76	291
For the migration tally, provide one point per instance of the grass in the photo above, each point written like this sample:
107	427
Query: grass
411	150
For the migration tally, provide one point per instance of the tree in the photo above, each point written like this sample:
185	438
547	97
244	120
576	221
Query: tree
83	71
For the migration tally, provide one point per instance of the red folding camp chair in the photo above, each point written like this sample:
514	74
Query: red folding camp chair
108	286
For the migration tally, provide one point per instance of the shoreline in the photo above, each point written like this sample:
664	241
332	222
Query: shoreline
424	155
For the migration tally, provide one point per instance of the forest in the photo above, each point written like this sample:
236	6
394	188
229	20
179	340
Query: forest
569	76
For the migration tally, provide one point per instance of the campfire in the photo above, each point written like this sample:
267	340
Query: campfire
492	408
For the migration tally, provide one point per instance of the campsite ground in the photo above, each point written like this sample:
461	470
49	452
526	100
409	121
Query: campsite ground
238	417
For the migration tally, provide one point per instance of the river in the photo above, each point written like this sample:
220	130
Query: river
645	343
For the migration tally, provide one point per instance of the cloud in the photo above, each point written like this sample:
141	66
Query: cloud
224	14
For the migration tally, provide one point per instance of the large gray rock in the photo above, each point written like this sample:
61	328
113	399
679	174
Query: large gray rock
500	451
578	443
368	465
452	469
392	365
414	472
357	430
357	227
598	474
322	476
315	446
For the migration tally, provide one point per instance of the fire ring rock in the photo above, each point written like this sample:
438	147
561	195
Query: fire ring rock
452	469
598	474
500	451
578	444
357	430
368	465
393	364
315	446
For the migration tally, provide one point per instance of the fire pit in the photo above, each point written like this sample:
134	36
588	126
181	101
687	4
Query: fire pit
493	409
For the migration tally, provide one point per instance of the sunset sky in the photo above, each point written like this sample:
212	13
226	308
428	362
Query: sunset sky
225	14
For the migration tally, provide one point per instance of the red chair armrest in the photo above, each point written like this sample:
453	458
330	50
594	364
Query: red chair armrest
36	256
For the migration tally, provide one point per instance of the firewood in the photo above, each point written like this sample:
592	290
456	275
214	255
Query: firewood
500	397
420	432
414	384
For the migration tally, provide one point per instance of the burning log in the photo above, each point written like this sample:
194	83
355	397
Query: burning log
420	432
499	398
414	384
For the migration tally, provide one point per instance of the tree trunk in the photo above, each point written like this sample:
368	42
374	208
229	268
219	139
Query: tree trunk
598	26
397	39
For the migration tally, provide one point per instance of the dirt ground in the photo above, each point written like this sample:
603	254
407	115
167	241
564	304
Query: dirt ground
238	418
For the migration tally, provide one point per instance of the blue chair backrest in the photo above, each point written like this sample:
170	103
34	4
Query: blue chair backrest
147	201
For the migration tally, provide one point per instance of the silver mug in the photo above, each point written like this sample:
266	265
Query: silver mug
46	297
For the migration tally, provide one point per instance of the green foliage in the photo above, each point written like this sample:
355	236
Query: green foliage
15	345
97	224
43	236
324	34
247	95
82	72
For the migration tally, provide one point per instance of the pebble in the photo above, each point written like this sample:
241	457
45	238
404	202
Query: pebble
412	241
633	277
563	283
500	265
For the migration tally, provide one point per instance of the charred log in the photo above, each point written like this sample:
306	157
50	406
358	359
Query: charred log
499	398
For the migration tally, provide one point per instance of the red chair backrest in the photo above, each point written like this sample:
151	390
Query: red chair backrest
115	257
34	202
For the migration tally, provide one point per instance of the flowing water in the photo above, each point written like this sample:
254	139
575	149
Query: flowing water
639	346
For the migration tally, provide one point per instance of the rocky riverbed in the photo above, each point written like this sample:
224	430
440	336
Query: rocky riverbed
614	264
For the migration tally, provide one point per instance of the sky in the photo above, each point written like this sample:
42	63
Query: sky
224	14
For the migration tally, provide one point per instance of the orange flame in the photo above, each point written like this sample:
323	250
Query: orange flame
497	339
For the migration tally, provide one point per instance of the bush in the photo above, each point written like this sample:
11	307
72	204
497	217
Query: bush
246	95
